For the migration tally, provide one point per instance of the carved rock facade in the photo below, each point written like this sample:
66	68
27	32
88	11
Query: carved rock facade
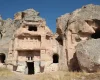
32	48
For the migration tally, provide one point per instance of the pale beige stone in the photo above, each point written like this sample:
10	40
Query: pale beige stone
36	46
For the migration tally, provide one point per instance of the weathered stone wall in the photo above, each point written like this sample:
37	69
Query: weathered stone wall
7	30
88	55
26	42
72	28
76	27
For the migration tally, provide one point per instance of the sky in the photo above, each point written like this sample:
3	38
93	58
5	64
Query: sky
50	10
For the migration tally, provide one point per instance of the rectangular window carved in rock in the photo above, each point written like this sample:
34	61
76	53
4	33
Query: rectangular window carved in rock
32	28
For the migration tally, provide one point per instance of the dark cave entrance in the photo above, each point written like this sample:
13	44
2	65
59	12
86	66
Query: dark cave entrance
2	58
60	40
32	28
96	24
96	35
74	65
55	58
30	66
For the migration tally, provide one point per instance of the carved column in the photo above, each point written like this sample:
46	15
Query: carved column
15	57
63	56
43	42
42	62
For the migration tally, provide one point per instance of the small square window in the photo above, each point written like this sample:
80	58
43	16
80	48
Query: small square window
32	28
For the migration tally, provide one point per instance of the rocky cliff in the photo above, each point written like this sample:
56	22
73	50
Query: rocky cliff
81	25
9	26
88	55
72	28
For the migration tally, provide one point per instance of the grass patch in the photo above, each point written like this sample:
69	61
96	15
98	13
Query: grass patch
60	75
5	72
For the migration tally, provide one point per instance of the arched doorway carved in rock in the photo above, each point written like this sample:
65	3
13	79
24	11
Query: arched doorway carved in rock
55	58
2	58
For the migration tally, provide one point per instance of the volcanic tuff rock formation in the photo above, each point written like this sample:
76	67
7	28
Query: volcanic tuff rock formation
29	15
9	26
80	25
88	55
72	28
29	45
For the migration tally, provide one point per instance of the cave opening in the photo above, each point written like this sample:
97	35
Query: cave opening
60	40
96	35
2	58
55	58
30	66
74	64
32	28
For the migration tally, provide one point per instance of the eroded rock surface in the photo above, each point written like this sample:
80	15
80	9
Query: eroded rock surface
72	28
80	25
9	26
88	55
6	32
